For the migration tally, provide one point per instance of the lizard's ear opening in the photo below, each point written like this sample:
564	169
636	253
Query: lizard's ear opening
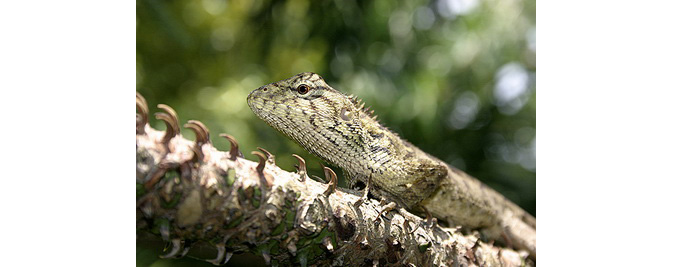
346	114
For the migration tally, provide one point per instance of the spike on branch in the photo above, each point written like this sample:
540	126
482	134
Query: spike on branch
228	257
202	137
179	248
260	167
332	178
262	161
270	157
156	176
170	117
234	152
143	109
386	208
219	259
201	131
301	168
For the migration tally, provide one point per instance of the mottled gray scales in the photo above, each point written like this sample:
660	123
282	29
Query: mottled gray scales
336	128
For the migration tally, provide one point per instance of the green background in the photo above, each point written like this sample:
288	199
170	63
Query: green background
454	77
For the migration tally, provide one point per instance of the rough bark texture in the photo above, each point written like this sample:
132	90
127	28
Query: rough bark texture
190	194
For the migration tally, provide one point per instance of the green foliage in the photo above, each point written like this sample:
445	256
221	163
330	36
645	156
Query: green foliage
454	77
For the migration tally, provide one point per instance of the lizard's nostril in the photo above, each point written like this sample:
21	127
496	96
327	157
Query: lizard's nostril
265	89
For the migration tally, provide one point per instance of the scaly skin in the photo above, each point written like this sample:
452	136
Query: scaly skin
336	128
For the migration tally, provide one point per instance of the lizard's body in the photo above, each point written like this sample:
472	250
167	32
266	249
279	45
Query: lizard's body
336	128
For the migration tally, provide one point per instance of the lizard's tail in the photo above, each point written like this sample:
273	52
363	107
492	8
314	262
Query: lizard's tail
466	201
522	235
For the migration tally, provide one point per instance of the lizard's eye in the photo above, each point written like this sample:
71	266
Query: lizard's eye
303	89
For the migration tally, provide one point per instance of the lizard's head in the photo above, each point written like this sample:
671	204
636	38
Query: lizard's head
309	111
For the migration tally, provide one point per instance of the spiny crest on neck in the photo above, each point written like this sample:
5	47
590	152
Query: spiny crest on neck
361	106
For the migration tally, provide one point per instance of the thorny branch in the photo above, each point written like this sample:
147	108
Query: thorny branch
190	194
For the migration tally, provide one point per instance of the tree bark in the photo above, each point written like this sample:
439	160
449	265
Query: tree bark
190	195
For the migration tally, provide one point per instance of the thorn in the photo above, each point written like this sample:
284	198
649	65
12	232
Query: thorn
270	157
418	225
362	105
201	131
406	214
387	207
233	152
202	137
141	121
185	248
430	221
375	117
170	131
156	177
168	110
219	259
476	243
171	120
167	245
332	178
408	226
262	161
316	178
176	247
301	168
470	251
228	257
260	167
364	193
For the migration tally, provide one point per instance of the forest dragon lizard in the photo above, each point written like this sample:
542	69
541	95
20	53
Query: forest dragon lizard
336	128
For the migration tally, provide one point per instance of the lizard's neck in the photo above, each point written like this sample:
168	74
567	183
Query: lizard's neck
380	151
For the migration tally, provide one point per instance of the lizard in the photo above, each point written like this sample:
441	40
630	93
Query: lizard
338	129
